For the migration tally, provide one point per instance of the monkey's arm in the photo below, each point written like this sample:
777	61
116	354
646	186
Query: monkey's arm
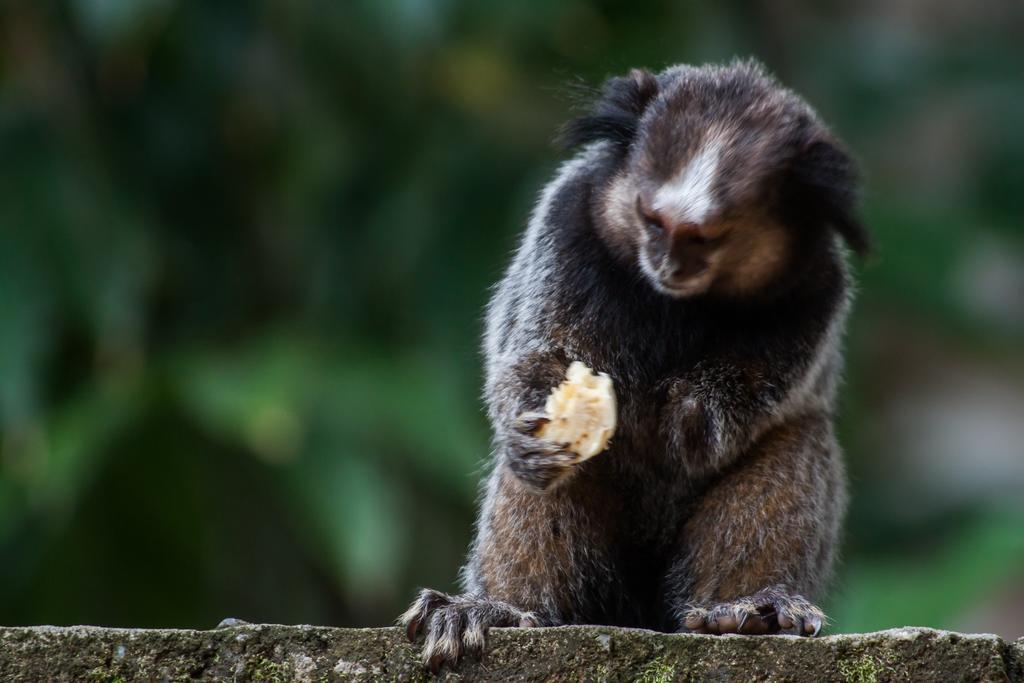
516	393
761	540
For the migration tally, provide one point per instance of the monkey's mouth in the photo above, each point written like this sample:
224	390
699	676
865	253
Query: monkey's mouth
697	283
689	276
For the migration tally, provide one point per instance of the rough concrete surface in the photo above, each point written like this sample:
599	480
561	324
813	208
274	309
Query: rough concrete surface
570	653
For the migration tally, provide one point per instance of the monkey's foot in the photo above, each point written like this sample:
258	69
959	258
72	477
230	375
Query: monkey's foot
769	611
457	624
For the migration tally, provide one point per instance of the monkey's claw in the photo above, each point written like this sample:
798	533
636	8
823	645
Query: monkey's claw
770	611
529	423
453	625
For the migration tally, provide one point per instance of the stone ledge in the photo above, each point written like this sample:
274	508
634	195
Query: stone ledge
569	653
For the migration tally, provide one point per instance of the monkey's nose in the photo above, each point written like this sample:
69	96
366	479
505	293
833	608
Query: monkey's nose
683	234
686	252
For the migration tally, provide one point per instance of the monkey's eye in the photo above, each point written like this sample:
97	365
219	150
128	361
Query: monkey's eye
653	224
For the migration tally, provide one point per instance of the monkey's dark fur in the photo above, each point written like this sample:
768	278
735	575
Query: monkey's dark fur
690	251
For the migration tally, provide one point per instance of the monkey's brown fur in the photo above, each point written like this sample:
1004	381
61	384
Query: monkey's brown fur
690	252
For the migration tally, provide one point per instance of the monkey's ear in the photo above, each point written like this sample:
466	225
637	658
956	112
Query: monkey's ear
825	188
615	114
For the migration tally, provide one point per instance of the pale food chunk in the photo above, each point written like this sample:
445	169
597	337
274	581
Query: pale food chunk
582	412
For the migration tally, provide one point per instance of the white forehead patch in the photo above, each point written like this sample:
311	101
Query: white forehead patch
687	196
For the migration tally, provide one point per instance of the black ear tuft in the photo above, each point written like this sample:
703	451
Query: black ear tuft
826	189
614	116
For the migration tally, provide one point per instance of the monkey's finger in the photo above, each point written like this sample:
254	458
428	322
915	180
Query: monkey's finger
791	624
529	423
771	621
534	447
424	605
812	626
727	622
698	630
412	629
474	637
553	463
753	625
528	621
711	623
435	663
542	447
444	639
694	621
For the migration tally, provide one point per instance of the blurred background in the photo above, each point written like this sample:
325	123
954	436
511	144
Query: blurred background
244	249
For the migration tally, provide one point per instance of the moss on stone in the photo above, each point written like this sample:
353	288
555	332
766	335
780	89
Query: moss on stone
103	674
267	671
274	654
861	670
657	671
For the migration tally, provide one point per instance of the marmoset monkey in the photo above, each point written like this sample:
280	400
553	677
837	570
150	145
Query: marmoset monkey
691	250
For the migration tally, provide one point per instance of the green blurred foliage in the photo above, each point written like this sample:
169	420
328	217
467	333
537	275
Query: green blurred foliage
244	249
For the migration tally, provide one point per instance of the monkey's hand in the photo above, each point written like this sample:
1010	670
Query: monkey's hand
537	462
772	610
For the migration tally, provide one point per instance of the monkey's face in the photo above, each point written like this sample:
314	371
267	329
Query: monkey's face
727	180
733	253
708	164
690	235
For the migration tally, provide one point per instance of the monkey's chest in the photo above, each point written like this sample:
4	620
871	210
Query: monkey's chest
640	477
647	481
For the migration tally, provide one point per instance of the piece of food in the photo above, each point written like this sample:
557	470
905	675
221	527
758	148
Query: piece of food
582	412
